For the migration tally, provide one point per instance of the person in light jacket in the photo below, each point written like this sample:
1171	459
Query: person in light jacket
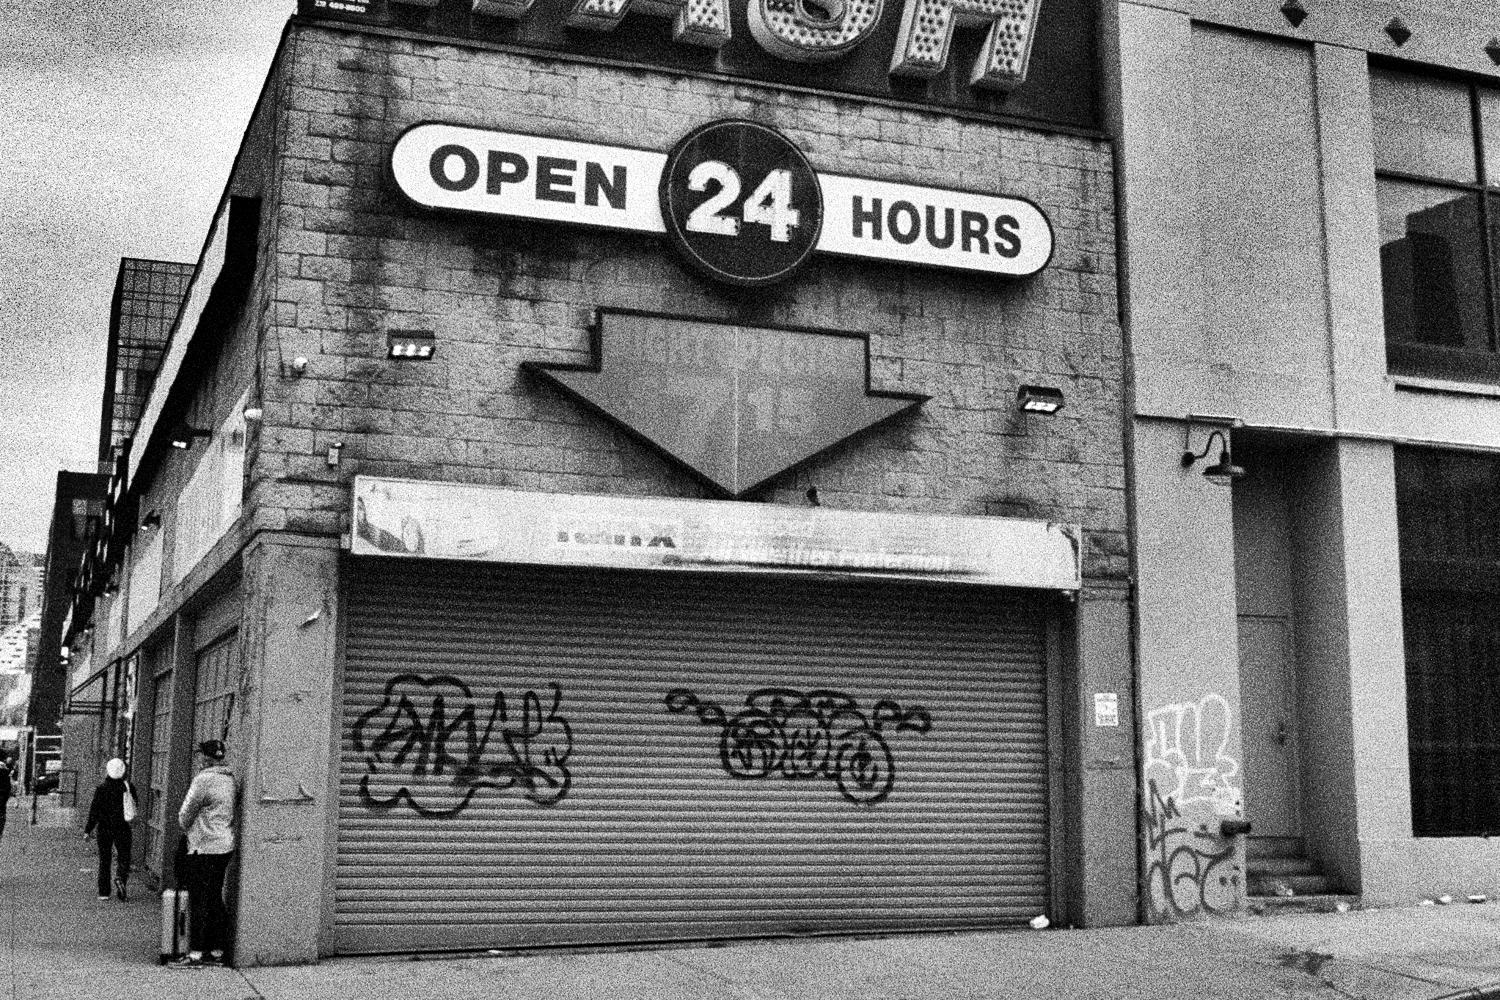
107	816
207	817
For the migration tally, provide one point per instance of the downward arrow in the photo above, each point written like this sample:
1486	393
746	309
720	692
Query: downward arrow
738	405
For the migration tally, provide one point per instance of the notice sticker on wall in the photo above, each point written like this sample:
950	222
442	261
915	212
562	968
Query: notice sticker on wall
1106	709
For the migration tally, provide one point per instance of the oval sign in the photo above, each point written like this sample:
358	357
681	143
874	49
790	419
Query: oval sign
741	203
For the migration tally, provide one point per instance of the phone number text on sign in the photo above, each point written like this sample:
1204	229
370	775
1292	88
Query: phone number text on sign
737	199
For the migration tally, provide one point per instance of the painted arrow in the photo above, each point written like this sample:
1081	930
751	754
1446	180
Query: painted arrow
736	404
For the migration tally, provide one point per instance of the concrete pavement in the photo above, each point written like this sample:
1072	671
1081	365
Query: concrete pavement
62	943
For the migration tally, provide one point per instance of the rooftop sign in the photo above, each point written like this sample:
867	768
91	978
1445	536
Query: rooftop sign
1018	57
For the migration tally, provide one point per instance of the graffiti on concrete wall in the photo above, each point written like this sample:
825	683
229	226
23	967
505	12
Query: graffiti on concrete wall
816	734
1190	785
428	744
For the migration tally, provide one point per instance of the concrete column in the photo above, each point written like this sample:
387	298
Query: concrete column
288	796
182	760
1352	683
1361	397
1189	687
1107	886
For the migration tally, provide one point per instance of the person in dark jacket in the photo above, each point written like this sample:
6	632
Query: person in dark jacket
107	815
7	790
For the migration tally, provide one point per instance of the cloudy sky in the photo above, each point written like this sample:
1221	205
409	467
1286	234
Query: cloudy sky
121	118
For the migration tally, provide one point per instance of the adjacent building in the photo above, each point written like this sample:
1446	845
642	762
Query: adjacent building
614	480
1310	219
78	503
20	586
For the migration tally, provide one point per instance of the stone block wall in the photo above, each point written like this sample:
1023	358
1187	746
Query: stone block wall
353	259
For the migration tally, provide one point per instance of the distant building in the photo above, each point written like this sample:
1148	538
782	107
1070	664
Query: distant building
79	497
18	646
20	585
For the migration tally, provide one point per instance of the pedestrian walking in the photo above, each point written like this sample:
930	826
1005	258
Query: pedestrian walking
111	813
7	791
208	816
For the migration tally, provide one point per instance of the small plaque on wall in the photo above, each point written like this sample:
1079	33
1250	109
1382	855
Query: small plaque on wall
1106	709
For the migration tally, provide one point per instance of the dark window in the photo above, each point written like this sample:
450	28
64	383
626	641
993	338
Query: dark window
1437	163
1448	513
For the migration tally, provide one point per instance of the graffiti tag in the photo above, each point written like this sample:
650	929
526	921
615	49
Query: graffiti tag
817	734
1187	749
1190	867
426	744
1189	785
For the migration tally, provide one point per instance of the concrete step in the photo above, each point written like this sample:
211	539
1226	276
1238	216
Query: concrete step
1275	847
1323	903
1280	866
1300	885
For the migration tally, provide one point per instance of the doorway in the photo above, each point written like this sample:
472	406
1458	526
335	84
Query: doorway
1268	704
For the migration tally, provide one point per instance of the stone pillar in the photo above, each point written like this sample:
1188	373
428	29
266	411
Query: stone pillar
289	793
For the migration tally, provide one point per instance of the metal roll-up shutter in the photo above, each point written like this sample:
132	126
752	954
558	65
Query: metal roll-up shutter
562	756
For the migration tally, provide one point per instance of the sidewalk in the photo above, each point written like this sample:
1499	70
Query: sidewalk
59	942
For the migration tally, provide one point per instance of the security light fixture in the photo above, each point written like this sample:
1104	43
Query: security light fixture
413	345
111	589
1039	399
1224	471
151	520
253	414
183	435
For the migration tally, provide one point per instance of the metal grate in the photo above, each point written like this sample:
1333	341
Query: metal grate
161	751
213	699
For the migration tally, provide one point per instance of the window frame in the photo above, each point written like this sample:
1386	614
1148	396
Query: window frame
1415	358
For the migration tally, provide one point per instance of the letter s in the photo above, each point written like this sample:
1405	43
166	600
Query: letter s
812	30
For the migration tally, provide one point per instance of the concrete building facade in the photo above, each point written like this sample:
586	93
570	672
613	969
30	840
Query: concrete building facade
505	656
1309	207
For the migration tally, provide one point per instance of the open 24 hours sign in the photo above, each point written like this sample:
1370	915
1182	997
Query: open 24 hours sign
736	198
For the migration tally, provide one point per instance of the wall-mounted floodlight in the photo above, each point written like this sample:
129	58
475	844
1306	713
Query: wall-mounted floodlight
151	520
1039	399
416	345
253	414
183	435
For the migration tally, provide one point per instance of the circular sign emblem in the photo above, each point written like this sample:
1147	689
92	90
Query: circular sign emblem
741	203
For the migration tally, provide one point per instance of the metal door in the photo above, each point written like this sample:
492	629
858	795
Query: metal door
558	756
1268	704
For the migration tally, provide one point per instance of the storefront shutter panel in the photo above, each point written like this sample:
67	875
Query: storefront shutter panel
638	822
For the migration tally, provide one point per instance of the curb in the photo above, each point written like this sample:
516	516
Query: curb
1488	991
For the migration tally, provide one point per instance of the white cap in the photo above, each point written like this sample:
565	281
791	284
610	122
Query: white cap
115	768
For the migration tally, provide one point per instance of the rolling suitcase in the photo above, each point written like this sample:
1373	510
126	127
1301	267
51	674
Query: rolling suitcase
174	924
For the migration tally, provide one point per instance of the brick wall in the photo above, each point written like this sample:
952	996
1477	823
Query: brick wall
350	259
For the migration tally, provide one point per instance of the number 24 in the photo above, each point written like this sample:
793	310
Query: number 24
770	204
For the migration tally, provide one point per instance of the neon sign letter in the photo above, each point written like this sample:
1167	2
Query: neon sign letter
927	30
812	30
697	22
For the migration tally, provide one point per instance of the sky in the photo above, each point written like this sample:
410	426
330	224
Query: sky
121	119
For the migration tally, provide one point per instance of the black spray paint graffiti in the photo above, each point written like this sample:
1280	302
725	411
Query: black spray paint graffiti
817	734
425	743
1190	867
1191	784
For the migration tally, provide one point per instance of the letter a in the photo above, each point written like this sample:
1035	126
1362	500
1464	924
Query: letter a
927	31
697	22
